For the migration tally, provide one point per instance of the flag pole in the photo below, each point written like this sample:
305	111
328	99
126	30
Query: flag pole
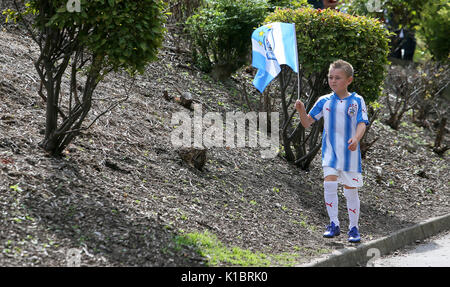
299	83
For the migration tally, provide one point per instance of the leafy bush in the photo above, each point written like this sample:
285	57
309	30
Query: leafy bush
127	33
399	15
180	10
402	14
288	4
404	89
99	37
434	27
433	104
221	34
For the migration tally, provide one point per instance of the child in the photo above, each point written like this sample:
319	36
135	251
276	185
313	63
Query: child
345	120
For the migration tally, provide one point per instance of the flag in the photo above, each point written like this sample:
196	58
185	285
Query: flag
273	45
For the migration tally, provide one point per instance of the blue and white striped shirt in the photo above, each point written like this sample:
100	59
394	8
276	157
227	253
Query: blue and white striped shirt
340	120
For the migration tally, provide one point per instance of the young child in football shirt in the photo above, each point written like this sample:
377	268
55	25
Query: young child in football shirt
345	120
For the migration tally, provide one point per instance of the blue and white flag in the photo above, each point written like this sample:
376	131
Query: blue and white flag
273	45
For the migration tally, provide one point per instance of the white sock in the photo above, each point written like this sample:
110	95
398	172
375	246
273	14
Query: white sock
352	206
331	200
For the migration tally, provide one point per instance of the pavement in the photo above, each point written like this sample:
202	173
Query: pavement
433	253
367	252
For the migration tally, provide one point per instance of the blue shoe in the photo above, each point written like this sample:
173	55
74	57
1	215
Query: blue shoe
332	231
353	235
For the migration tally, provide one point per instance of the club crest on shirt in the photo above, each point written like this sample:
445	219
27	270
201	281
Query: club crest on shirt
352	109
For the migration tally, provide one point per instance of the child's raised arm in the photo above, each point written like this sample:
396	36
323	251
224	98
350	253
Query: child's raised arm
305	119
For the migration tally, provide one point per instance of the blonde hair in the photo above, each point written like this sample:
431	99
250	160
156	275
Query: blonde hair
345	66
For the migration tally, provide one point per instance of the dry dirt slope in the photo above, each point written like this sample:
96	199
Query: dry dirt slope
123	197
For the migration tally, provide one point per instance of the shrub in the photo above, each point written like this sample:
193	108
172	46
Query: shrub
433	104
287	4
126	33
221	34
404	89
102	36
434	80
180	10
401	16
434	27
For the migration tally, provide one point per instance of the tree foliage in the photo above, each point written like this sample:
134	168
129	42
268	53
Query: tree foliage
220	34
273	4
430	18
399	13
126	33
434	27
101	37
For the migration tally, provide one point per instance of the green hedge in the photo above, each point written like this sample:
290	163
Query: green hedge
434	27
221	34
327	35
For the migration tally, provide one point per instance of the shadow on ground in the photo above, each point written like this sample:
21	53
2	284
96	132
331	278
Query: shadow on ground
94	223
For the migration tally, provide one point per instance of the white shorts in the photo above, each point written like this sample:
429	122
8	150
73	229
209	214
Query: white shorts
352	179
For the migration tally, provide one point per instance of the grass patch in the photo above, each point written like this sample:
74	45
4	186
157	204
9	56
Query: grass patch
218	254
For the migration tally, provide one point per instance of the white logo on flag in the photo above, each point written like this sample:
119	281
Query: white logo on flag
270	46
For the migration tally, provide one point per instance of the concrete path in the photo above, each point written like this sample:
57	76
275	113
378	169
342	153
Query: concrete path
433	253
366	252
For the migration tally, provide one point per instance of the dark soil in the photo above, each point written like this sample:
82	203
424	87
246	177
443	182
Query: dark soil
121	194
